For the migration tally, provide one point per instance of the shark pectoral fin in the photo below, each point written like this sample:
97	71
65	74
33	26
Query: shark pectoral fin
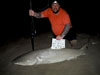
39	58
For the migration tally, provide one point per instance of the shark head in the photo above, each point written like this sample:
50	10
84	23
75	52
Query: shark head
26	62
26	59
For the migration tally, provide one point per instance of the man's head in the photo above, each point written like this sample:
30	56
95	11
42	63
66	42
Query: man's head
55	6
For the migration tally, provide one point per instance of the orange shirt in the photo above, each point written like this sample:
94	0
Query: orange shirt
58	21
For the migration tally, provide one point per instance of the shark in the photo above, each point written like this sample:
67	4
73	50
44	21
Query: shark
49	56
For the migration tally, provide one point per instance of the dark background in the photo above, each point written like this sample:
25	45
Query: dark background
16	23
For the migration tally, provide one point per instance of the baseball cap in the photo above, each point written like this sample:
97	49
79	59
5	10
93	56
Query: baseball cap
55	1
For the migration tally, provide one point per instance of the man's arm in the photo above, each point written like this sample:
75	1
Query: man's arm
35	14
66	30
38	15
64	33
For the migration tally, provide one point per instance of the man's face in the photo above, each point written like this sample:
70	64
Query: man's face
55	7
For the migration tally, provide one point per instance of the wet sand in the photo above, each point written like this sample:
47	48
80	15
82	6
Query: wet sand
88	64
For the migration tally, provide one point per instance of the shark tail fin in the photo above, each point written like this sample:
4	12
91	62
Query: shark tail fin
85	46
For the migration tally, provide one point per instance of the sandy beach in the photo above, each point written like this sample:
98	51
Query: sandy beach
88	64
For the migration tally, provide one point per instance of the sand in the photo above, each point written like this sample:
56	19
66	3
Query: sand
88	64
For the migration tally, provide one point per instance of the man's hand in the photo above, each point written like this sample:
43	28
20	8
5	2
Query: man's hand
31	12
59	37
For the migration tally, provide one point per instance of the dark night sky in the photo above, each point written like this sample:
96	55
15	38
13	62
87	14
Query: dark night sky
16	22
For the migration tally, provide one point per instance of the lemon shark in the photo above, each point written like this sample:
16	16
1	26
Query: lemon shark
48	56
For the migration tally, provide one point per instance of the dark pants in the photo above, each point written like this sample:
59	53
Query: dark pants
71	35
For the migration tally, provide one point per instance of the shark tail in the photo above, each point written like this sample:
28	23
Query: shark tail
85	46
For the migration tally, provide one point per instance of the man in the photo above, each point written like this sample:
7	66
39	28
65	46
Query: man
60	22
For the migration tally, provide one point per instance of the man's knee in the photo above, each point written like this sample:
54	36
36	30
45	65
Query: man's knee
73	43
